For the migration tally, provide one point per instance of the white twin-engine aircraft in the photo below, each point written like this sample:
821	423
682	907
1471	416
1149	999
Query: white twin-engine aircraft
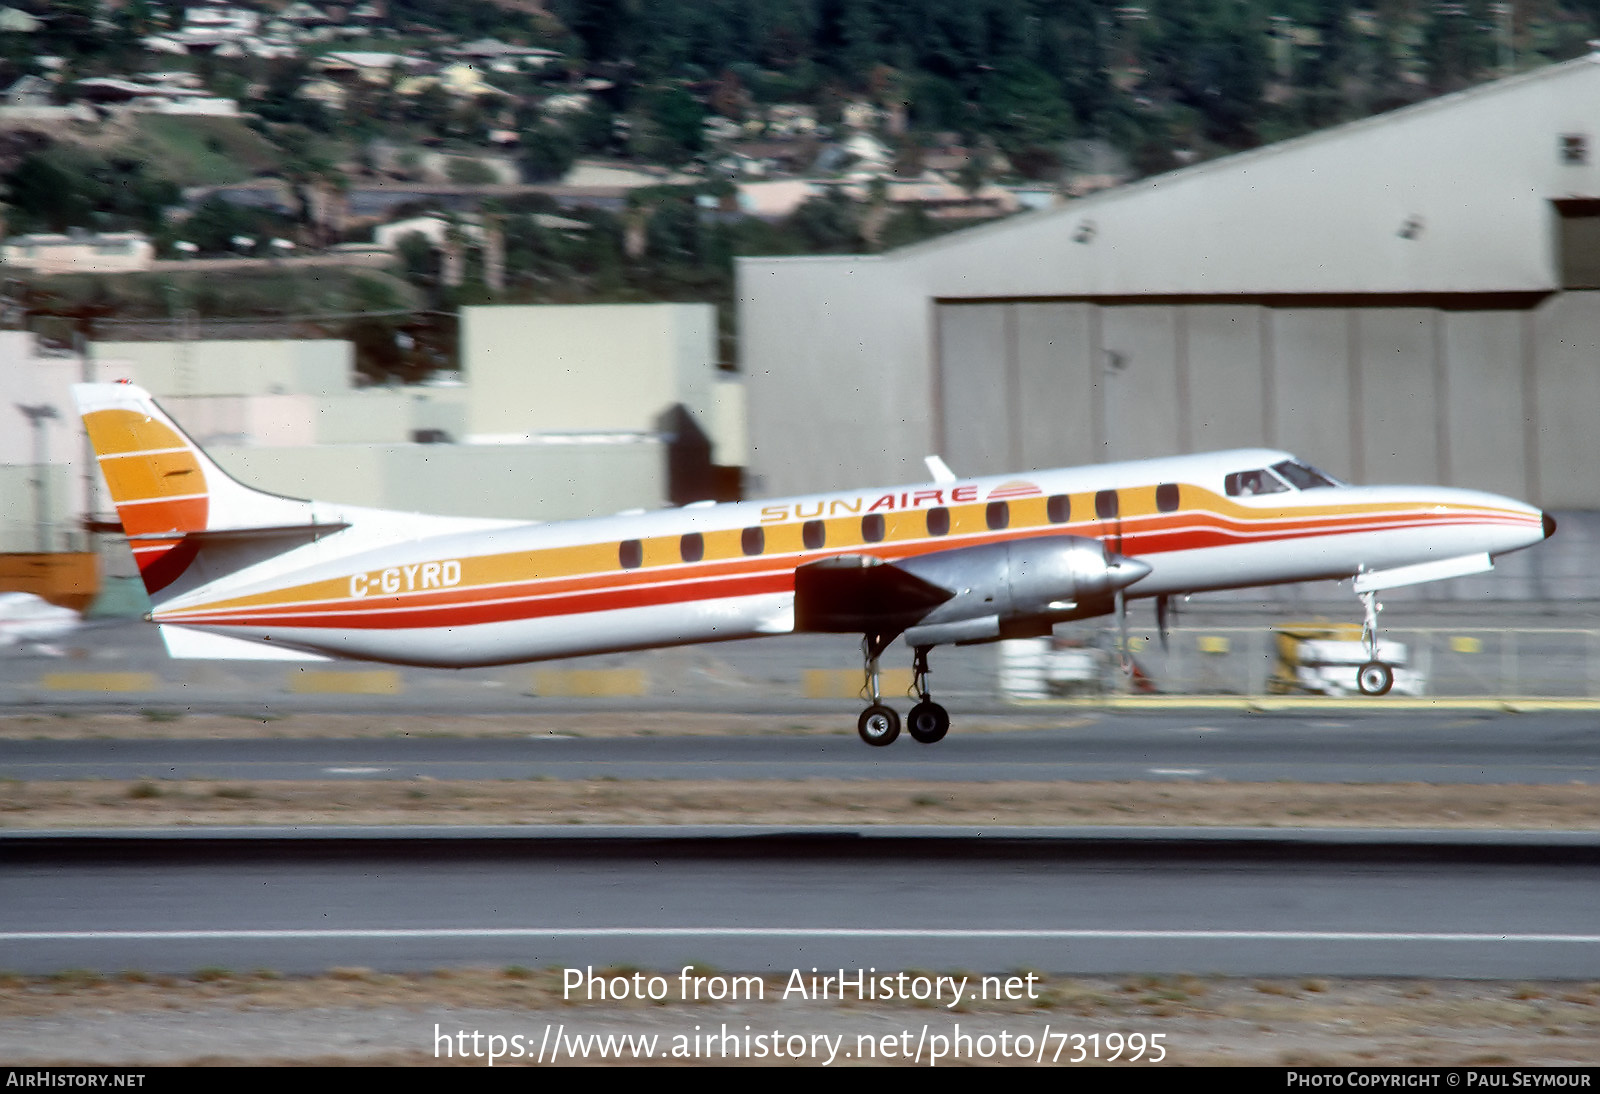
236	573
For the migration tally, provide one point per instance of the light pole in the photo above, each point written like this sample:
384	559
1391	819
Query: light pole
37	414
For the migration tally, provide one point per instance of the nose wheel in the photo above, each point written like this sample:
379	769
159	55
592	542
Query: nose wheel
1375	678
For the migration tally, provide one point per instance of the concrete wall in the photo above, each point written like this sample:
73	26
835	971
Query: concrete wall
836	358
32	377
19	523
530	482
243	367
608	367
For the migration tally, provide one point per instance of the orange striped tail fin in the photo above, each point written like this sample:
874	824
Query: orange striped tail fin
163	485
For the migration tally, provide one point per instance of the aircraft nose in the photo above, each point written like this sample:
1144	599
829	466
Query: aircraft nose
1549	526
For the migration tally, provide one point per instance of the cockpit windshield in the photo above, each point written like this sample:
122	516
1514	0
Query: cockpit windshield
1248	483
1303	476
1284	476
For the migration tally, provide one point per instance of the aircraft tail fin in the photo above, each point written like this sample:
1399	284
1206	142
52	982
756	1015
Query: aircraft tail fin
169	495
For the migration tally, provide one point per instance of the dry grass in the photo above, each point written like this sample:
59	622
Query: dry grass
796	802
1203	1020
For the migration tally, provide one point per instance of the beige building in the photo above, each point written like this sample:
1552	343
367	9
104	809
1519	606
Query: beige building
608	367
605	370
563	412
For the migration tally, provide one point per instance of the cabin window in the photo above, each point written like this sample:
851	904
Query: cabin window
813	533
1058	508
1244	484
1105	505
752	541
692	547
630	553
872	527
939	521
1167	497
997	515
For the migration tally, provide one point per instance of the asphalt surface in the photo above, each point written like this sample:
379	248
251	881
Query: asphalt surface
1227	745
1243	904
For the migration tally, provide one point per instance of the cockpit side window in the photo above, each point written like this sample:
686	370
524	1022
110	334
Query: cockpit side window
1243	484
1302	476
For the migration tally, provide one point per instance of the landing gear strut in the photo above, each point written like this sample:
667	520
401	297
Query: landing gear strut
928	721
879	725
1375	677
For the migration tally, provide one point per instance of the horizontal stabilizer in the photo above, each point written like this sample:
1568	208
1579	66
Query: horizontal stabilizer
205	645
277	531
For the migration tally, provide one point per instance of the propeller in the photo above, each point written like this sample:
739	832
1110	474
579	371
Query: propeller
1121	606
1162	604
1119	601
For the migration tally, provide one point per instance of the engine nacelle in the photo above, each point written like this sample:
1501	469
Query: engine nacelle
1016	588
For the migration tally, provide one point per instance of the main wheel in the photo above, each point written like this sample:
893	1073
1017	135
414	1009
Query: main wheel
928	722
1375	678
878	725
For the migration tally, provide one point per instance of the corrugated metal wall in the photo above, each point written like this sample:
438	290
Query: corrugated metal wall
1375	394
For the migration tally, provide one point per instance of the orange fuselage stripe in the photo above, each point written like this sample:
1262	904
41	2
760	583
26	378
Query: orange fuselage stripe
586	578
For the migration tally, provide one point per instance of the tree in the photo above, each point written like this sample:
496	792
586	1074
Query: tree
69	187
282	102
44	195
669	128
828	224
548	152
1024	110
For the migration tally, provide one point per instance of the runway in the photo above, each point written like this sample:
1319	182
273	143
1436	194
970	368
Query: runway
1216	745
1244	904
1354	904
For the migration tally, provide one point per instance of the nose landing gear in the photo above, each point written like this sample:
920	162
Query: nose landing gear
1374	677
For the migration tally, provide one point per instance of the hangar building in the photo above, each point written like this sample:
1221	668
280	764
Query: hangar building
1410	298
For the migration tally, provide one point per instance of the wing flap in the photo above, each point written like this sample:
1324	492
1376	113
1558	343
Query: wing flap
859	593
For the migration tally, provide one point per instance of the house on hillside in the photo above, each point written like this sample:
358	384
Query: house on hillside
79	252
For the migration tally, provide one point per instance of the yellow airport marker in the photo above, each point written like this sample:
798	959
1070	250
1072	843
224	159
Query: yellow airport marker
323	682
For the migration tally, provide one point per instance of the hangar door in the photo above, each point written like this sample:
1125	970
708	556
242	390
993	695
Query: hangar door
1053	384
1386	391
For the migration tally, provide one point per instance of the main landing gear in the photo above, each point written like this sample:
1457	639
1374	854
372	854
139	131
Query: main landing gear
879	725
1374	677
